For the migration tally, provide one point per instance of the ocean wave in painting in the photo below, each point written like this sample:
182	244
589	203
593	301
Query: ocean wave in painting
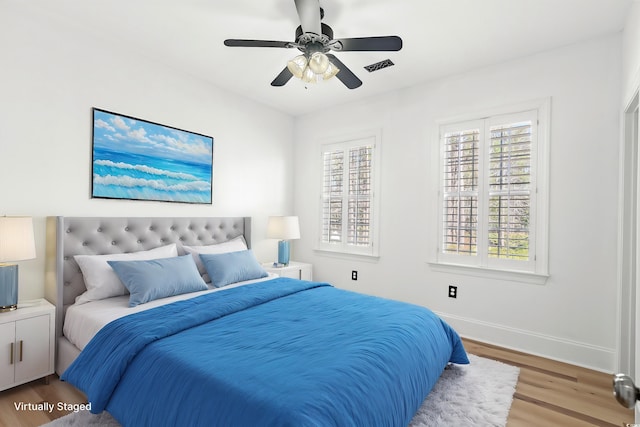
144	169
127	181
132	180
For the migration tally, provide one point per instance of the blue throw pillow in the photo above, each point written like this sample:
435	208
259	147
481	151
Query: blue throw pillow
232	267
158	278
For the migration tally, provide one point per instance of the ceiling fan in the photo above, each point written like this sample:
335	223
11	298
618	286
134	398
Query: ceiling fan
315	40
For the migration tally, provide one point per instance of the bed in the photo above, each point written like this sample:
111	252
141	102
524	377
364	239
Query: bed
262	351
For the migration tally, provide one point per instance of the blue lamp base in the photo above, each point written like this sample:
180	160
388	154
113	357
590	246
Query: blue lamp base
8	287
283	252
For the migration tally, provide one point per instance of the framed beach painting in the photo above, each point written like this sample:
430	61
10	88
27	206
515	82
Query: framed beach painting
136	159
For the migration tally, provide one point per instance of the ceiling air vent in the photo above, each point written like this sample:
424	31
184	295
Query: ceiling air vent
379	65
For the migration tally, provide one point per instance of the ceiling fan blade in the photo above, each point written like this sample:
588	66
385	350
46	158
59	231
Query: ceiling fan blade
309	13
282	78
384	43
345	75
257	43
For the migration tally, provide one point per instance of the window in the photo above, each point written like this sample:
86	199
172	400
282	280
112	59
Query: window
492	196
348	199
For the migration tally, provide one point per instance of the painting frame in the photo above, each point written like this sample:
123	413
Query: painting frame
137	159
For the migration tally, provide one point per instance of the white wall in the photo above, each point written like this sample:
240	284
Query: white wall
53	73
628	297
631	52
573	316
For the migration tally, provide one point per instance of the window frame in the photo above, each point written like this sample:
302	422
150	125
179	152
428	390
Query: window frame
345	143
536	269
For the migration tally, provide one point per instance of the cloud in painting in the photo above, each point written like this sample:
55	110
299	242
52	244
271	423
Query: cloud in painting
195	147
139	135
122	134
120	123
101	124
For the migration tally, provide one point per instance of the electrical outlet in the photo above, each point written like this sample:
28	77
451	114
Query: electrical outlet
354	275
453	291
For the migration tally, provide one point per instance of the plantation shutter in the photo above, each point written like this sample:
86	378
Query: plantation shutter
488	196
493	193
347	196
332	191
510	180
359	198
460	192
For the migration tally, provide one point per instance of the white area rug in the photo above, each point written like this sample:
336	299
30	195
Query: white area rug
478	394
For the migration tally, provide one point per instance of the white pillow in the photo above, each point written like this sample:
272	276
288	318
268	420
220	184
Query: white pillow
233	245
100	279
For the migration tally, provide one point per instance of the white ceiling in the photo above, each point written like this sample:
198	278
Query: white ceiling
441	37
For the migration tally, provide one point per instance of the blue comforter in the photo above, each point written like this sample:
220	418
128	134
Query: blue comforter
282	352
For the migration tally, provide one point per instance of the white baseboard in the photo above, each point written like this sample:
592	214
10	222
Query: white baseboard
560	349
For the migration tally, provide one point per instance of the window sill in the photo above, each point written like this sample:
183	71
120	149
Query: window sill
344	254
489	273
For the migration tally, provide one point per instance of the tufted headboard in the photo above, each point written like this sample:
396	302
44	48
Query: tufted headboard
69	236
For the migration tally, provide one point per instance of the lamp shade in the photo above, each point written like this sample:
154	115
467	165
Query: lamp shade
308	76
319	62
283	227
16	239
297	65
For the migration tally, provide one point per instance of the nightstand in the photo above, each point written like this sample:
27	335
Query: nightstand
295	270
27	343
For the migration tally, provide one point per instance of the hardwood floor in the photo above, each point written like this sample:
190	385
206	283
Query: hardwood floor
548	393
551	393
34	393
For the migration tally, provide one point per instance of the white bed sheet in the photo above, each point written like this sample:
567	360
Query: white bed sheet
82	322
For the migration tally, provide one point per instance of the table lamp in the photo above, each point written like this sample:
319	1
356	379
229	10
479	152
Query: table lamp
284	228
16	244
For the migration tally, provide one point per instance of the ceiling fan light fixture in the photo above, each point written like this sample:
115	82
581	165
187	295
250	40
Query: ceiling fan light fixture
331	71
298	65
319	63
311	69
308	76
315	40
